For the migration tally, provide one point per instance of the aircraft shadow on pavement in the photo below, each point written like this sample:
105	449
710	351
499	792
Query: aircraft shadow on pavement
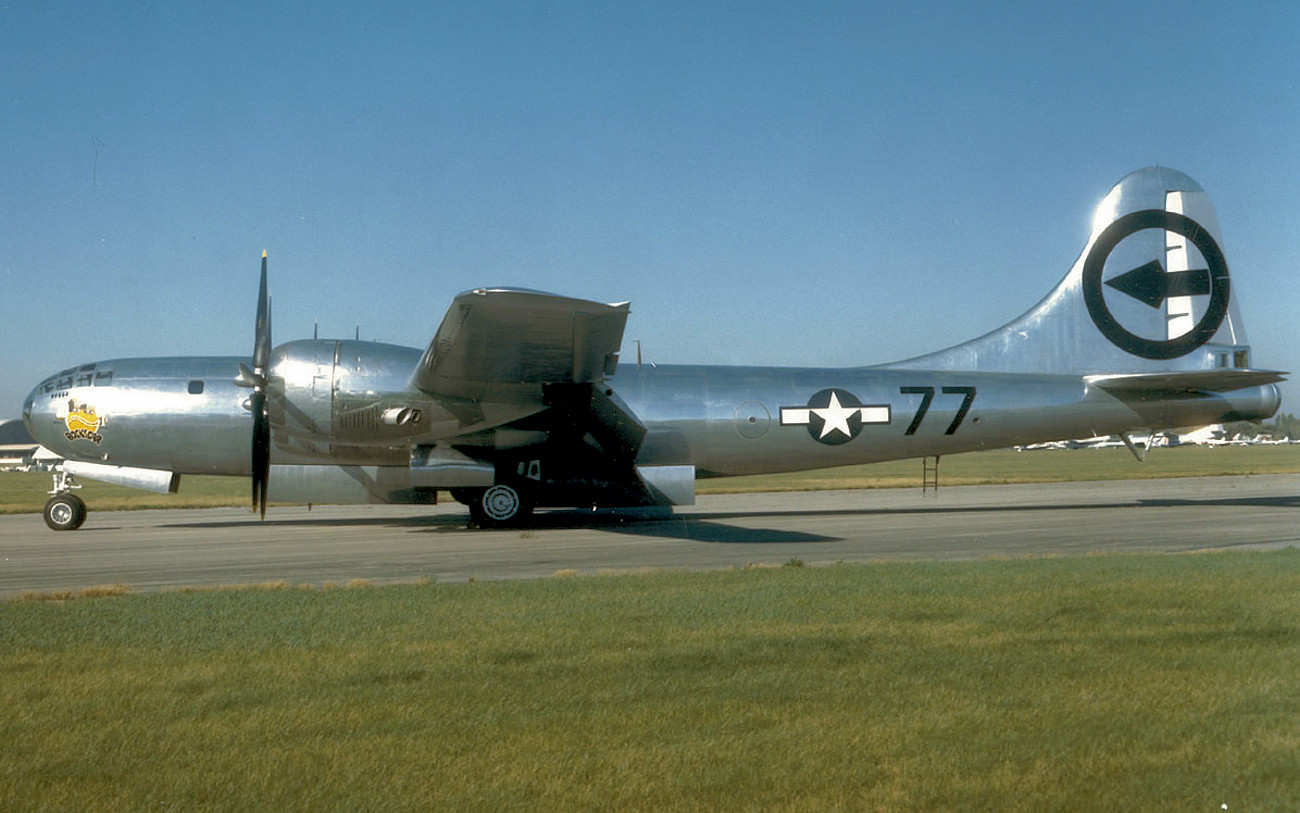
1215	502
1292	501
273	521
655	523
664	525
690	528
713	527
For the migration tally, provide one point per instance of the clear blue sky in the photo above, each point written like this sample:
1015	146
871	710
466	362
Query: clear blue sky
767	182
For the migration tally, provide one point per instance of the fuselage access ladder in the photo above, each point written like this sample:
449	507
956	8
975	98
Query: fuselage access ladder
930	475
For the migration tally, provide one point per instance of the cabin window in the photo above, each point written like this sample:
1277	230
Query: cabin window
1241	358
195	388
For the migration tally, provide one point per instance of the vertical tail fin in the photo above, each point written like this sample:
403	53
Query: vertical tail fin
1150	293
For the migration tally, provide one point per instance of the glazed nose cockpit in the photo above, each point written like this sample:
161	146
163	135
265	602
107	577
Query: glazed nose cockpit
52	411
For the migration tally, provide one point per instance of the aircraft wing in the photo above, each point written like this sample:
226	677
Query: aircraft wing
1224	380
503	344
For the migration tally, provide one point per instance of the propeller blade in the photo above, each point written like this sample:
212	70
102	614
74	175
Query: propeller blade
261	452
257	379
262	336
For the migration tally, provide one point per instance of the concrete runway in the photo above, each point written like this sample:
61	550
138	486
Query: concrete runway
151	550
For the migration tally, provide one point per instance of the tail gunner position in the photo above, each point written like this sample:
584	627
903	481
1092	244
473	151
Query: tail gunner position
516	403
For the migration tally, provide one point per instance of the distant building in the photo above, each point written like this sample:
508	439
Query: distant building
16	446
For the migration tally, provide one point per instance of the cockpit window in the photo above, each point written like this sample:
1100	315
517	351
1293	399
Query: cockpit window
84	376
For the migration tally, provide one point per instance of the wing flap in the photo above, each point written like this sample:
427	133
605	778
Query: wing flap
504	343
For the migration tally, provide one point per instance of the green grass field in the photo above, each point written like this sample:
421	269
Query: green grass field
1095	683
1101	683
27	492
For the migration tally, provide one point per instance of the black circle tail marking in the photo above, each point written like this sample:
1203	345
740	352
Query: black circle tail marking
1188	283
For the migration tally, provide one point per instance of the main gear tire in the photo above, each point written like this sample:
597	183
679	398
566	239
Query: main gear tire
500	506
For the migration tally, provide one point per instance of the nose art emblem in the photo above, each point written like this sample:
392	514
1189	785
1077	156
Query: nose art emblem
83	423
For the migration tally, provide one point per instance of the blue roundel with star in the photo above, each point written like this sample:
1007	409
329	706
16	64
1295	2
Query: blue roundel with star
834	416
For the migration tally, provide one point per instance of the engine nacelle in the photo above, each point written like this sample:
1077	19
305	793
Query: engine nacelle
326	397
429	471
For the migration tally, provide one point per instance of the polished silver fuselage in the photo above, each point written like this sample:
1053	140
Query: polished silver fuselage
726	420
328	400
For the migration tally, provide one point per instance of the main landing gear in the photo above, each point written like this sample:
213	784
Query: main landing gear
500	506
65	511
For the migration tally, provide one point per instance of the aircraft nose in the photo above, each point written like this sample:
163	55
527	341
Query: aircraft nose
38	417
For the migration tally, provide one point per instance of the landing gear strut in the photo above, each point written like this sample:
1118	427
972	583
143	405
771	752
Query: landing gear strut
65	511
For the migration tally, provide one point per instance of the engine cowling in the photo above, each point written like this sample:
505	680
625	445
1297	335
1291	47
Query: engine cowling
343	400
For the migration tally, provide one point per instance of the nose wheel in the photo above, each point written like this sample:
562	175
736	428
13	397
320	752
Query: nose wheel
65	512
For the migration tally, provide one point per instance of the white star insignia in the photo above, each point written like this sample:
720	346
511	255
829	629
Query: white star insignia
835	417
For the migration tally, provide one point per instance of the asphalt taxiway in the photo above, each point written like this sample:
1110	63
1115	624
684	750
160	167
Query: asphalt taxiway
151	550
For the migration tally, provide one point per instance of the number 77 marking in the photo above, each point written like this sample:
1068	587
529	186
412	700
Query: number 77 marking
927	397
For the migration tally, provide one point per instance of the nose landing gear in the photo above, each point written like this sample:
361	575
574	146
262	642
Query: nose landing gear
64	511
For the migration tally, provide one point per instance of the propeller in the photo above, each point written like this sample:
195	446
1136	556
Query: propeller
256	378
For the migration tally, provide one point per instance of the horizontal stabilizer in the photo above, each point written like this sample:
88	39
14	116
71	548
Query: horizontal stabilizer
1193	381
